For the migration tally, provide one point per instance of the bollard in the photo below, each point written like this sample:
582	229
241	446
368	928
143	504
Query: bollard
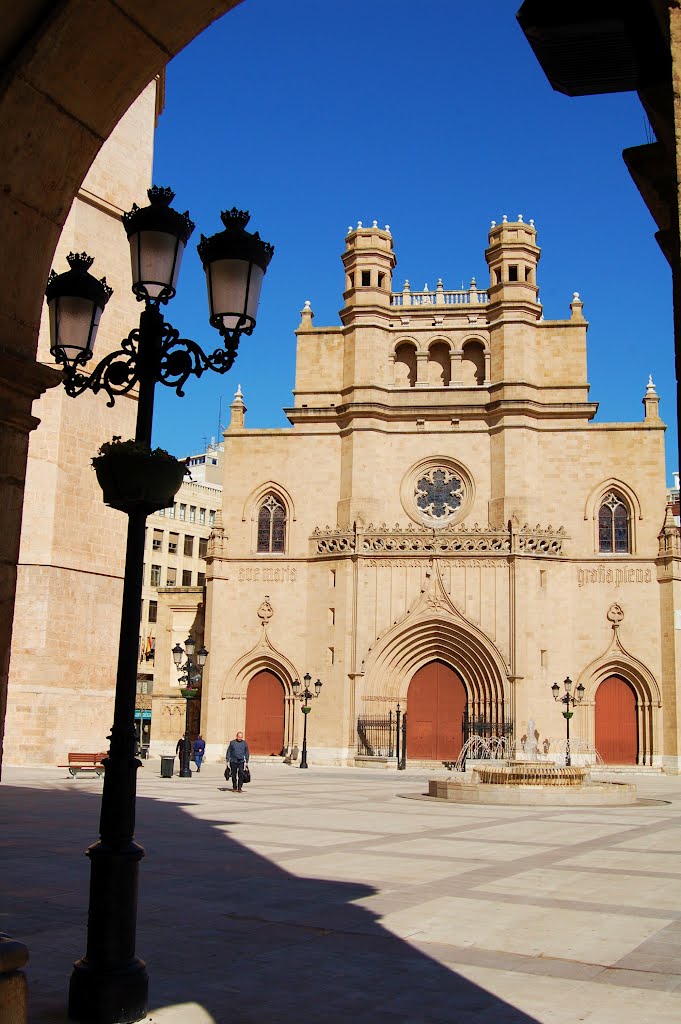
13	984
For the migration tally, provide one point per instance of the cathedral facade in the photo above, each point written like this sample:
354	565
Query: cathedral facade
445	528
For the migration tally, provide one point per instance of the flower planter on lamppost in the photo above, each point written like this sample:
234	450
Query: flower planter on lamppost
569	700
192	672
109	984
132	475
306	696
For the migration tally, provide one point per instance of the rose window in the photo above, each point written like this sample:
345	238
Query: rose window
438	493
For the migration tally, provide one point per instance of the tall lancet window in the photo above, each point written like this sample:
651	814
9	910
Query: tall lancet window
613	525
271	525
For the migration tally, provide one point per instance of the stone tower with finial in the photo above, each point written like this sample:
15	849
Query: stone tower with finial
369	261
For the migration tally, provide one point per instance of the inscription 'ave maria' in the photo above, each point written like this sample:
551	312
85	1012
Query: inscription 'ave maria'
267	574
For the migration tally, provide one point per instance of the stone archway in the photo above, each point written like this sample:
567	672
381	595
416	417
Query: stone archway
71	72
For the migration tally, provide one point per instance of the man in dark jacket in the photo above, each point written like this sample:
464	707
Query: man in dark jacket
237	758
198	750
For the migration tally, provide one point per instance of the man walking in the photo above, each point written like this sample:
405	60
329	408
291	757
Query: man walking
198	750
237	758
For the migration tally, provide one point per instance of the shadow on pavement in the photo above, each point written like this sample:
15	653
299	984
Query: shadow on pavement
218	925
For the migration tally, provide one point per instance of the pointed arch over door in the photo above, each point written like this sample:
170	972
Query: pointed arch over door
616	722
436	700
265	714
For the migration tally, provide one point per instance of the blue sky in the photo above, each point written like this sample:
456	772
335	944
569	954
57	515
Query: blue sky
434	118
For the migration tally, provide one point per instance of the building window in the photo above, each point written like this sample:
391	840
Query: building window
211	519
200	579
189	546
366	278
153	611
271	525
157	540
161	512
183	512
186	577
156	575
202	516
173	539
171	577
171	511
203	547
438	494
613	525
192	513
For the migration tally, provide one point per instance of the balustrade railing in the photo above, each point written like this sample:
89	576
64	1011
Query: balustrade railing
440	297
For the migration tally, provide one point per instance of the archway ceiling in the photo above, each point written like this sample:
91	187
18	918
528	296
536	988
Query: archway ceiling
72	70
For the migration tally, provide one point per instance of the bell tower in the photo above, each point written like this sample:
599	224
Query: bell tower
512	257
369	261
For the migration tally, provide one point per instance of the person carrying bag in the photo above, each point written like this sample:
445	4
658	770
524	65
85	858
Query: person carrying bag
237	762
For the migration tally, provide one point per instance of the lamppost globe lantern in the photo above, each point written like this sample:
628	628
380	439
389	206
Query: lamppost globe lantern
555	690
308	679
189	646
157	235
318	686
178	655
201	656
235	262
580	691
75	300
567	683
295	686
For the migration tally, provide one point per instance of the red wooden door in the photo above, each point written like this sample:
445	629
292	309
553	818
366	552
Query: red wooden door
616	722
265	714
435	704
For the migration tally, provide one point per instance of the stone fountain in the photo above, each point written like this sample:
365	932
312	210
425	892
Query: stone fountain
501	772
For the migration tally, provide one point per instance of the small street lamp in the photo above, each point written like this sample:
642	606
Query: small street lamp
109	985
192	673
306	696
569	699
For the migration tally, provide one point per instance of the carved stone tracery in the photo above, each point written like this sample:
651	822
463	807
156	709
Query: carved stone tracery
412	539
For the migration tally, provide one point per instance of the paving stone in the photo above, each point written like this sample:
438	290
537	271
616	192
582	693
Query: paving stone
315	898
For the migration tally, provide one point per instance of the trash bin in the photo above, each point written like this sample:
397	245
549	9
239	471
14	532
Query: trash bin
167	764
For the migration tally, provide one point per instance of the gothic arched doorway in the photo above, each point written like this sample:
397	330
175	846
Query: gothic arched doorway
265	714
435	705
616	722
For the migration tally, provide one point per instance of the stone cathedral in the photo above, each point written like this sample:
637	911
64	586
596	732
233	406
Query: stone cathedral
444	527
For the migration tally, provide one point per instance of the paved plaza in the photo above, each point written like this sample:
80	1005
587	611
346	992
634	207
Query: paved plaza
326	896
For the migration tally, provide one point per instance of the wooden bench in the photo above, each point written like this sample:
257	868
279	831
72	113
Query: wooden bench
78	762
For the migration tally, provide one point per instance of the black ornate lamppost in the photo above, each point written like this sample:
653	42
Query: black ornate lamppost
306	696
109	984
192	673
569	699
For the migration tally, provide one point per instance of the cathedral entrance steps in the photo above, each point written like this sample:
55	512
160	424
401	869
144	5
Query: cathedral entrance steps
428	766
